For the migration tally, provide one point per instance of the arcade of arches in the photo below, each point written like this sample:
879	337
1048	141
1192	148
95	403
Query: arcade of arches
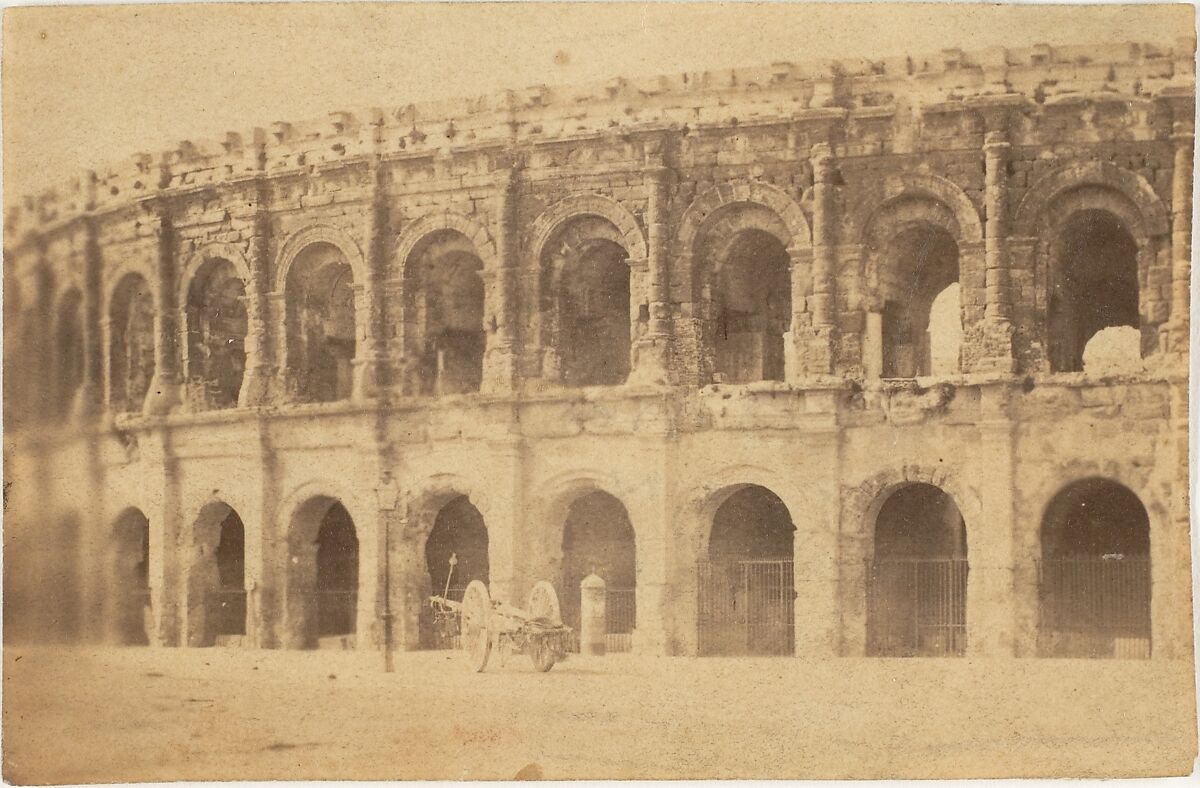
1092	597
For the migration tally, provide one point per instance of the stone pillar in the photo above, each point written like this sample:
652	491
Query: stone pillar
408	587
260	356
814	314
651	361
88	399
169	545
593	616
988	347
815	573
1181	237
500	357
163	395
1170	547
992	603
370	357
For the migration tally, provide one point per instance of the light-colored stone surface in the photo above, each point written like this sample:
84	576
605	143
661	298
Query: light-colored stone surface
993	152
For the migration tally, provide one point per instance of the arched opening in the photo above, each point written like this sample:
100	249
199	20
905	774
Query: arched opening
131	349
1093	285
1095	573
321	326
458	532
216	336
68	346
132	620
322	576
444	303
746	589
598	538
917	578
753	308
594	310
217	578
920	264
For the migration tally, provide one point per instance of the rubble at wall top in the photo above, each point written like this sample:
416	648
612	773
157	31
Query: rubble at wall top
1041	74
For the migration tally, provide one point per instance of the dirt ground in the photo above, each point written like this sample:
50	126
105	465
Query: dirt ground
77	715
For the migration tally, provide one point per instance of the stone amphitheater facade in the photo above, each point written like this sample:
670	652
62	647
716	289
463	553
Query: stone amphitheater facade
687	301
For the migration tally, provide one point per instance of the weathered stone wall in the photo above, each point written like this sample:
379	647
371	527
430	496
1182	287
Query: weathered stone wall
993	150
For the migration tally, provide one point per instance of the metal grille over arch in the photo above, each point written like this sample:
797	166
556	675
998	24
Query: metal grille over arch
745	586
129	577
598	538
917	575
216	590
458	533
1094	573
321	596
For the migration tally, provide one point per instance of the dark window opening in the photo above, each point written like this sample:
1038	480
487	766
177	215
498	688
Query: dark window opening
753	309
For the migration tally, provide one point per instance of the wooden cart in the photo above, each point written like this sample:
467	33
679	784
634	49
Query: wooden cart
486	626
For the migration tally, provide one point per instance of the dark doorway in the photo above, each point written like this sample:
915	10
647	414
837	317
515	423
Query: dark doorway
1095	573
598	538
917	579
746	588
458	531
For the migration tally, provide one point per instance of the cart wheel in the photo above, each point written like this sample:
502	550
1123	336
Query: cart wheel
475	635
543	605
542	655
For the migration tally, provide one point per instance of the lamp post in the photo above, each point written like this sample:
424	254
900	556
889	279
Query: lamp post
387	495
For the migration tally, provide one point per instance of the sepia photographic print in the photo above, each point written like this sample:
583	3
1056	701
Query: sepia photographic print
597	391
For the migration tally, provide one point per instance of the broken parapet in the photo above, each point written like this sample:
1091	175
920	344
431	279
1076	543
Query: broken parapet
1126	72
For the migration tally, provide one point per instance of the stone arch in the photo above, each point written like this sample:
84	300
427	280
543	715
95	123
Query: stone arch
862	503
441	274
744	576
577	205
429	495
1033	210
592	282
418	230
128	569
132	338
725	195
300	240
1095	578
214	326
701	501
215	575
900	188
307	603
115	276
208	253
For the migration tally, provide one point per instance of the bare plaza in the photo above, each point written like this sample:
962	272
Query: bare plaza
869	374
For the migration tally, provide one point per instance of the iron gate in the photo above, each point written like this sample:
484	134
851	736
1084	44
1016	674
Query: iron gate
1095	606
745	607
916	607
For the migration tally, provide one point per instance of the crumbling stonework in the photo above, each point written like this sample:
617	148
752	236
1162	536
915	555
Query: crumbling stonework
669	291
